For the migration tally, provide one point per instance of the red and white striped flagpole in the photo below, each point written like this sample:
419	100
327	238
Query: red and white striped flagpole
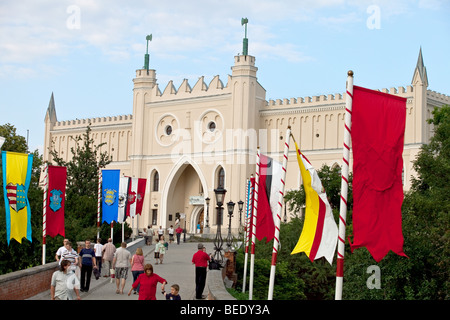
276	239
44	213
253	226
248	198
344	187
99	200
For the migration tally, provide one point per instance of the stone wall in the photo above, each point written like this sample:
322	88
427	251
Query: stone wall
23	284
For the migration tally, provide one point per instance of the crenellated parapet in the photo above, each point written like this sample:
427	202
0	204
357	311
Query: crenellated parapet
438	97
327	100
93	122
186	91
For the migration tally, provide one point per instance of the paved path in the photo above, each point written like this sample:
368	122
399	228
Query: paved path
177	268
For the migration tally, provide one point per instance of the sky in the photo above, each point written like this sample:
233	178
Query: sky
86	52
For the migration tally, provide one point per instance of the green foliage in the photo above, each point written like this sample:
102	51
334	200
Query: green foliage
16	256
81	203
331	182
425	275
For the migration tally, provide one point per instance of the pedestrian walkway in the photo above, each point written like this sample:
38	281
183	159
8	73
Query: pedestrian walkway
177	268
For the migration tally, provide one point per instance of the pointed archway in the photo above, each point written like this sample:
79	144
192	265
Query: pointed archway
184	192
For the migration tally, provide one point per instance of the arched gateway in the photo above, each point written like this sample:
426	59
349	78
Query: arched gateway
184	195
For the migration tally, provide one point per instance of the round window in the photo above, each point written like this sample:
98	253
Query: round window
212	126
168	130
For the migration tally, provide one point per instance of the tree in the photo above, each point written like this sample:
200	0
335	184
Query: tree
82	177
331	181
82	188
425	212
16	256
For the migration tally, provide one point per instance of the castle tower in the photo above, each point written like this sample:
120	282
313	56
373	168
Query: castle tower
420	84
50	121
144	82
248	97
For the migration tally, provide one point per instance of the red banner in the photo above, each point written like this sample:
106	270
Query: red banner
56	195
378	127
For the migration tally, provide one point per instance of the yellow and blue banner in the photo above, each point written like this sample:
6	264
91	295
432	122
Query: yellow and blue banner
16	181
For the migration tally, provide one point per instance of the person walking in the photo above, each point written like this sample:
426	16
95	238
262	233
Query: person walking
87	256
60	251
148	282
150	234
98	248
170	230
145	235
63	282
179	231
160	232
137	266
108	250
71	255
160	250
121	264
200	260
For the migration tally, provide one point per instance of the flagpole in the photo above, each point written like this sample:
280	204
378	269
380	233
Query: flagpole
246	234
112	231
44	213
253	227
99	200
276	240
344	187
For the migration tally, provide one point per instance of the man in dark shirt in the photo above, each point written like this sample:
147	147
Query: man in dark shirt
200	259
87	256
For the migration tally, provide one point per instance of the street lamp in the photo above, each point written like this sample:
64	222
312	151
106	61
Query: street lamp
240	207
230	206
207	212
218	241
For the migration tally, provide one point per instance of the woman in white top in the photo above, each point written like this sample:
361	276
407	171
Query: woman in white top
72	256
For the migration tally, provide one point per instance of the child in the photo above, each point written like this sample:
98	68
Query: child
173	295
160	251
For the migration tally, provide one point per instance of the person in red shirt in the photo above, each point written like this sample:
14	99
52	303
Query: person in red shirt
200	259
178	231
148	281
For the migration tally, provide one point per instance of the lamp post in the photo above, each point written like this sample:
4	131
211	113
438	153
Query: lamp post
240	207
218	241
207	212
230	206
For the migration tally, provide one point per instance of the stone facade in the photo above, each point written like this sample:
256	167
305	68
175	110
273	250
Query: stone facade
189	140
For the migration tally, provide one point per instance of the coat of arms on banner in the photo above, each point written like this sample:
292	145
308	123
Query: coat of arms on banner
109	196
16	196
55	200
122	198
132	197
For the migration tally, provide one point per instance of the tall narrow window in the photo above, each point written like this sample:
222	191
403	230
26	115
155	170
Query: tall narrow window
156	181
154	217
221	178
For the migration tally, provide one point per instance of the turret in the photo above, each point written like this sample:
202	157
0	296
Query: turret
50	121
144	82
420	84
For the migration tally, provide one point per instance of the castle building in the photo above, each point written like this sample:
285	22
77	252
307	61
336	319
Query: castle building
190	140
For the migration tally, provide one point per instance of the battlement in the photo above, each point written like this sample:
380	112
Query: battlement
93	122
322	100
185	90
438	96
